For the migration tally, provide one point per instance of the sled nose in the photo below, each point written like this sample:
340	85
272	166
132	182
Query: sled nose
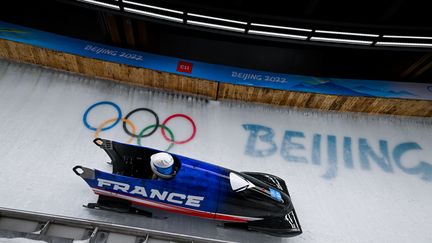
84	172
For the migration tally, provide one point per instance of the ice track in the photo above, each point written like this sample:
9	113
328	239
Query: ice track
352	177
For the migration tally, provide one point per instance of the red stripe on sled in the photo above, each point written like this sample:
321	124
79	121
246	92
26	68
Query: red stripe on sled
176	209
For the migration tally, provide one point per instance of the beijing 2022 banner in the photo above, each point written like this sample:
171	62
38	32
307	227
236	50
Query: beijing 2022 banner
220	73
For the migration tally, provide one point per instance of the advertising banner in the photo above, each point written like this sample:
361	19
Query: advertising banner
214	72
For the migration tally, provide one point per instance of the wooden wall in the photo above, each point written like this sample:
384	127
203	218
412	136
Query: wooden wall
326	102
211	89
107	70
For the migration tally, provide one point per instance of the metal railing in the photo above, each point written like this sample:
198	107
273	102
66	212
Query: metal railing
54	228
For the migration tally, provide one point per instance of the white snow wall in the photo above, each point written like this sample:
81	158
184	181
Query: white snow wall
352	177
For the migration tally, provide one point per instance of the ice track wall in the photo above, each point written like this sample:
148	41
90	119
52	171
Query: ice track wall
353	178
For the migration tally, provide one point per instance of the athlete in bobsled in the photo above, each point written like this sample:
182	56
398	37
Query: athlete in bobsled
162	165
144	179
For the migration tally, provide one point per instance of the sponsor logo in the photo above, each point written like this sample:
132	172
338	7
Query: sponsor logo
184	67
172	197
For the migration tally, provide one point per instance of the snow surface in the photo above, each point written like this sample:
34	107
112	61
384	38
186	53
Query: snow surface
373	199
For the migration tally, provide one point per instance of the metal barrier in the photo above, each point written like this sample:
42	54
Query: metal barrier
54	228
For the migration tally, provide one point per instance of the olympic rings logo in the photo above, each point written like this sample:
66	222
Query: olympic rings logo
132	132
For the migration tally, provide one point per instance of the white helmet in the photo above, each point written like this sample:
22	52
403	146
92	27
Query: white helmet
162	164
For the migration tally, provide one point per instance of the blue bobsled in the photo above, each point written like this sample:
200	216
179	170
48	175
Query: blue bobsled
249	200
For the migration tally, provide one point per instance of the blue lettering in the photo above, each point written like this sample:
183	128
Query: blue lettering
316	149
347	153
266	137
422	168
332	157
288	145
366	152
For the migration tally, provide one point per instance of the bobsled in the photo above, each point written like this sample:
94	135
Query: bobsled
244	200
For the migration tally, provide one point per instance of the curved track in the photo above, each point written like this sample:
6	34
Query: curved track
352	177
